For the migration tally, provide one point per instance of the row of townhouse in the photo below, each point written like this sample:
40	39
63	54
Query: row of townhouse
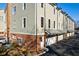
37	25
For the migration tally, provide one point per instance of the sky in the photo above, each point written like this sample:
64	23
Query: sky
2	5
70	8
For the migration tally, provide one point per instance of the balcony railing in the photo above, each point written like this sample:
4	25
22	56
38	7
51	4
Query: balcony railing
51	32
70	30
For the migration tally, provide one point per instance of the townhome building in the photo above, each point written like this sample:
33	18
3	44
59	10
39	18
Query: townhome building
65	25
72	27
2	23
60	24
69	26
51	23
25	22
37	25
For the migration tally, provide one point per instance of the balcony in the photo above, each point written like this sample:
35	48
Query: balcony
70	30
51	32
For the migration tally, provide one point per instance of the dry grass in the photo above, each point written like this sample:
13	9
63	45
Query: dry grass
14	50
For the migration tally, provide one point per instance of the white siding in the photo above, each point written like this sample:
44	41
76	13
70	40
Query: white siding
40	13
60	37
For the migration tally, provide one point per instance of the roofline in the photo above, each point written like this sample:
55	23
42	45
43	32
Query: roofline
53	4
6	7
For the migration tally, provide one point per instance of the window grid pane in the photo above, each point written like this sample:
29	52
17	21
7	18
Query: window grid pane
49	23
42	5
24	22
41	21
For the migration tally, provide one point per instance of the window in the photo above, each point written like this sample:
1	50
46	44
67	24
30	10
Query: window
54	24
42	5
14	10
42	19
24	23
24	6
49	23
54	10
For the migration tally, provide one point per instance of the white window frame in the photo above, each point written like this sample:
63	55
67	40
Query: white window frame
13	12
23	22
23	6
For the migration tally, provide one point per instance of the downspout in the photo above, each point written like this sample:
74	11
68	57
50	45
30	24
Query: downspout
57	19
63	25
66	25
36	26
57	27
8	22
45	24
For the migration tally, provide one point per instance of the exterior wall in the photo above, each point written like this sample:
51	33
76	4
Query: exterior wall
68	23
2	23
60	37
65	26
49	12
65	23
60	24
34	35
71	26
68	34
60	20
72	33
29	13
33	31
32	42
39	14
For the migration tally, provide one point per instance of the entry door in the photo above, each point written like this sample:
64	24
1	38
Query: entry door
42	43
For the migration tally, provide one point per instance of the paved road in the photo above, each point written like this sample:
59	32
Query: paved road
68	47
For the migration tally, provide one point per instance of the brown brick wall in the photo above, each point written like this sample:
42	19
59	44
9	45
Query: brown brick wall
32	42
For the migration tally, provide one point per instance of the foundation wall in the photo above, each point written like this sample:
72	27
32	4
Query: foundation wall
32	42
50	41
68	34
60	37
72	33
2	34
65	36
